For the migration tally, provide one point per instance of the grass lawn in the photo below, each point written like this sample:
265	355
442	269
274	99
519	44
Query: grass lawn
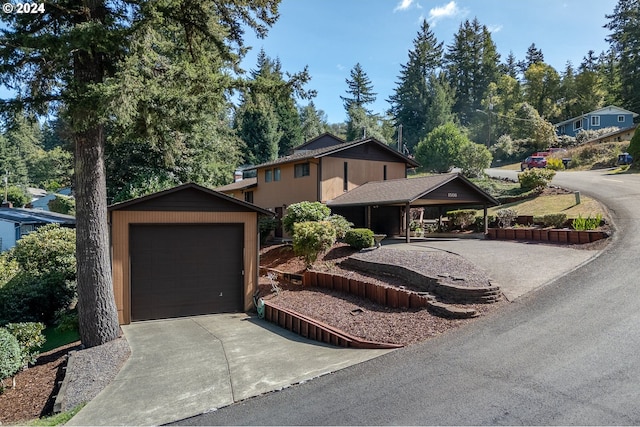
57	339
561	203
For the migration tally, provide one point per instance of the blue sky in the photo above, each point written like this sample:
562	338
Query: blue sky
331	36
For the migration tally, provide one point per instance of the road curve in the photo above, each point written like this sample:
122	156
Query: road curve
565	354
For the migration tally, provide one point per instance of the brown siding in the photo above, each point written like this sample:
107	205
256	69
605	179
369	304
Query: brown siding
120	221
455	192
368	151
289	189
360	172
189	199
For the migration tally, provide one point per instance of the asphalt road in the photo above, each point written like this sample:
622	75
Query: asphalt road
566	354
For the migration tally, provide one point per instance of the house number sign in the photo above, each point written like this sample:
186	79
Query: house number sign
452	195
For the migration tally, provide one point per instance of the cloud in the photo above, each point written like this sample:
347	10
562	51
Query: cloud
449	10
403	5
340	67
494	28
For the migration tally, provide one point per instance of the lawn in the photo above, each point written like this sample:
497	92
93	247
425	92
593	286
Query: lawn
558	203
55	339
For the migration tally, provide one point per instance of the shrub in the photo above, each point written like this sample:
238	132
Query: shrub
340	224
63	204
535	178
359	238
479	221
48	249
8	268
17	196
10	357
302	212
506	216
554	163
634	149
266	224
30	339
588	223
474	159
311	238
554	220
461	219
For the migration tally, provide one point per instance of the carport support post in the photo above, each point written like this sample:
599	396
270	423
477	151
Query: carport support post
407	221
486	221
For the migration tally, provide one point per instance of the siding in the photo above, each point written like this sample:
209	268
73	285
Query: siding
120	221
289	189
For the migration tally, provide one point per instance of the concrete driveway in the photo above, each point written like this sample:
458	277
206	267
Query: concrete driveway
183	367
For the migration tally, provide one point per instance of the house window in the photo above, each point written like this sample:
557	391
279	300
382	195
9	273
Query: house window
345	183
276	174
620	119
384	172
595	120
248	196
268	175
577	125
301	169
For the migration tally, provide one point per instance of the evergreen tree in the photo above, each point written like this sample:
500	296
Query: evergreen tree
541	87
567	94
624	24
148	64
472	64
257	125
411	100
314	122
510	67
362	125
360	88
533	56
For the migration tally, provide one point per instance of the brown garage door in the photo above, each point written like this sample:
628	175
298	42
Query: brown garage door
185	270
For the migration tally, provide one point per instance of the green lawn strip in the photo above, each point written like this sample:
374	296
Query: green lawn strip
57	339
58	419
562	203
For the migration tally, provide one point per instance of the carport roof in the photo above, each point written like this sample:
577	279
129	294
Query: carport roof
416	191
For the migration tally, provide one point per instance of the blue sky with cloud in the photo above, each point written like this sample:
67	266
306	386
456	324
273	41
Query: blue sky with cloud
331	36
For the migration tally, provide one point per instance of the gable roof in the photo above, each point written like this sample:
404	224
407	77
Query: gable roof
325	140
31	216
301	155
410	190
608	110
155	199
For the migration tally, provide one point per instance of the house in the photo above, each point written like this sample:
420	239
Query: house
17	222
184	251
610	116
365	181
42	202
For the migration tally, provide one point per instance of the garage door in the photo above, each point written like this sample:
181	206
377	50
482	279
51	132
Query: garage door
186	270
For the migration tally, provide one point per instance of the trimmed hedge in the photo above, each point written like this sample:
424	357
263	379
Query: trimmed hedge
359	238
10	355
311	238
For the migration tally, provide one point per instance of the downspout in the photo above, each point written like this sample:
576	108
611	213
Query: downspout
407	221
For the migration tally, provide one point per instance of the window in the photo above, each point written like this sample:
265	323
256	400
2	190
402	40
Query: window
384	172
276	174
595	120
577	124
248	196
268	175
345	182
620	119
301	169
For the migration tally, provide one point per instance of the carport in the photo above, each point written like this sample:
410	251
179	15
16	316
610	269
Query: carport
388	203
184	251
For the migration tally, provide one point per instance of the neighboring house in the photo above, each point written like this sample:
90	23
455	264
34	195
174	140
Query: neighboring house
329	170
42	203
610	116
16	223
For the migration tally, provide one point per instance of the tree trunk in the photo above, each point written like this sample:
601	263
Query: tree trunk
97	312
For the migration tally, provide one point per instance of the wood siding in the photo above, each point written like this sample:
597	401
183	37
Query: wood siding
360	172
121	220
454	192
288	190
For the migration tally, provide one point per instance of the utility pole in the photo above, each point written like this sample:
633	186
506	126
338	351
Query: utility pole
6	186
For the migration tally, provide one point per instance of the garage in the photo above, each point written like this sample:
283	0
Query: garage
181	252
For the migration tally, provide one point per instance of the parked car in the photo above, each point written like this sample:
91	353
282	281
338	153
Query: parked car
533	162
625	159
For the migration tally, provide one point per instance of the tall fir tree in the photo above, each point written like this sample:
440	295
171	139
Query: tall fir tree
82	54
360	89
314	121
411	99
624	24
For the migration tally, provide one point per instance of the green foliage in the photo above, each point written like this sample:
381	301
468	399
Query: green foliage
360	88
311	238
634	149
17	196
535	178
302	212
46	167
314	122
50	248
340	224
10	356
556	220
359	238
63	204
474	159
462	219
587	223
266	224
479	222
554	163
9	267
505	217
30	339
441	149
58	419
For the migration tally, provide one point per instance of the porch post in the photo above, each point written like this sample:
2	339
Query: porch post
407	221
486	221
368	213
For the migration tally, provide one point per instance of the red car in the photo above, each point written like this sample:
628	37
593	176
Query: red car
533	162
